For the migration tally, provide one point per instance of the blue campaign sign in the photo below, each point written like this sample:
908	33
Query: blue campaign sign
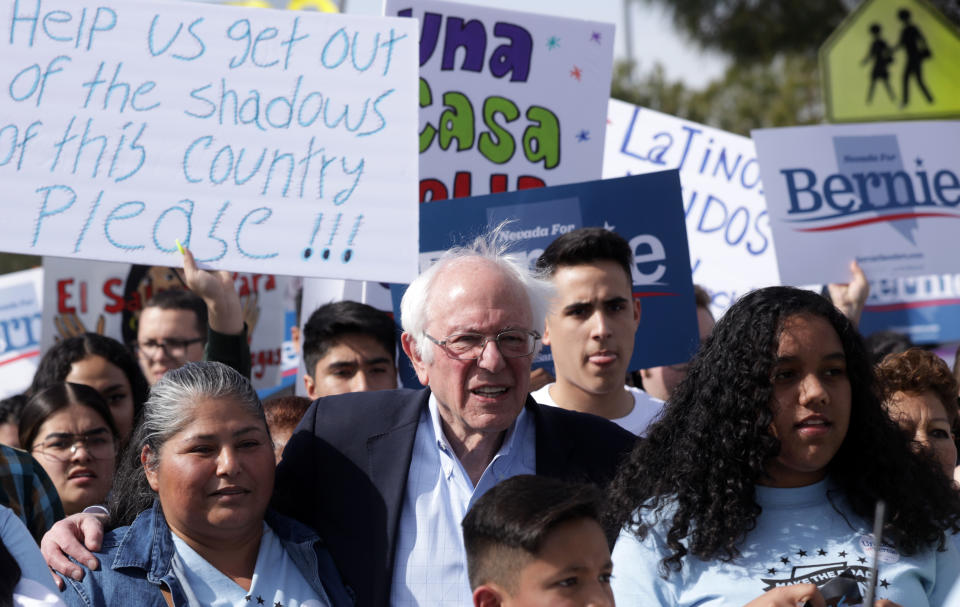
647	210
925	308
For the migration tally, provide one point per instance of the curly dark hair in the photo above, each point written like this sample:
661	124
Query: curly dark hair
55	365
702	460
918	371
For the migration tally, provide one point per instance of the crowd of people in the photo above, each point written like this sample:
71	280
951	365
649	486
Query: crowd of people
749	475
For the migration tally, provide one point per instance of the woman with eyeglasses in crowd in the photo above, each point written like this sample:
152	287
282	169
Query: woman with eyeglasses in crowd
70	431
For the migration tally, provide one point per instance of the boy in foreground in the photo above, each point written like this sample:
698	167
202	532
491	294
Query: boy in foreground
533	540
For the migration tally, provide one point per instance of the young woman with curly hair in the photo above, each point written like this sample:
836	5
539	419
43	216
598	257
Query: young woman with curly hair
762	475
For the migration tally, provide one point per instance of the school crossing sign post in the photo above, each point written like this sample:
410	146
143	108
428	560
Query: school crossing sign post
892	60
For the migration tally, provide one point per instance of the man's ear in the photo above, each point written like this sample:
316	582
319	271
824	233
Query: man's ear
545	340
410	349
488	595
310	386
636	313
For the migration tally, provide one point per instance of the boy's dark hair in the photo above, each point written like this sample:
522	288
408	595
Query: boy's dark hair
181	299
517	515
584	246
330	322
10	408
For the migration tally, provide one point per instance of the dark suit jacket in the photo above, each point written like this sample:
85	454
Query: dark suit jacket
344	472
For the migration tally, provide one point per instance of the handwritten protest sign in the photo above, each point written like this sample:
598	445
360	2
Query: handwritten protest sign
106	298
647	210
21	300
731	248
885	194
508	100
269	141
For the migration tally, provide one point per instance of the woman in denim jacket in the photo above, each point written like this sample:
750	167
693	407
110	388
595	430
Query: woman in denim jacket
193	490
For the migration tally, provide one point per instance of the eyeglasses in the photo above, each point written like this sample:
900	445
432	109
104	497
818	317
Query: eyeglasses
62	447
513	343
172	347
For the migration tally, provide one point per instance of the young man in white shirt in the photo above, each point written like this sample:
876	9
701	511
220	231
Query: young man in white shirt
591	328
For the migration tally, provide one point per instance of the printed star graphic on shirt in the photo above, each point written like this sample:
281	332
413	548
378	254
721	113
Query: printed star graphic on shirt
862	560
259	600
583	135
553	42
821	552
843	553
576	73
784	560
884	583
771	571
595	37
277	604
247	598
802	553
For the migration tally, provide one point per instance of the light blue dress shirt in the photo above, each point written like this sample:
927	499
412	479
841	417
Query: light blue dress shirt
430	569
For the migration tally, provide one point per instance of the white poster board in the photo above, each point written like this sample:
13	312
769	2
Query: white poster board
728	231
885	194
508	100
102	297
21	300
268	140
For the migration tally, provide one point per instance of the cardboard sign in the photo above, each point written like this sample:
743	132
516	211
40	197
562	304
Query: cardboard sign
21	302
731	247
885	194
892	60
508	100
106	298
269	141
647	210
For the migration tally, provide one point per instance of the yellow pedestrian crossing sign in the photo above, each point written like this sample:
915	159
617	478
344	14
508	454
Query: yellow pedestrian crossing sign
892	60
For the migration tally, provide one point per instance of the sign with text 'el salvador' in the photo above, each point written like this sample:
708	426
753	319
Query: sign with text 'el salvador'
731	248
268	141
646	210
508	100
106	298
885	194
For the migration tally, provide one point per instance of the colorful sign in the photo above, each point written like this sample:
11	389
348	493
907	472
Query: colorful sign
731	247
647	210
21	302
892	60
885	194
106	298
508	100
269	141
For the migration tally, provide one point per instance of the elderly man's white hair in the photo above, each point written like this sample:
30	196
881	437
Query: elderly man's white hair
491	247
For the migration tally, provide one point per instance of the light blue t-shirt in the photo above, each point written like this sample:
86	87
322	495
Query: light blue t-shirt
276	579
800	538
